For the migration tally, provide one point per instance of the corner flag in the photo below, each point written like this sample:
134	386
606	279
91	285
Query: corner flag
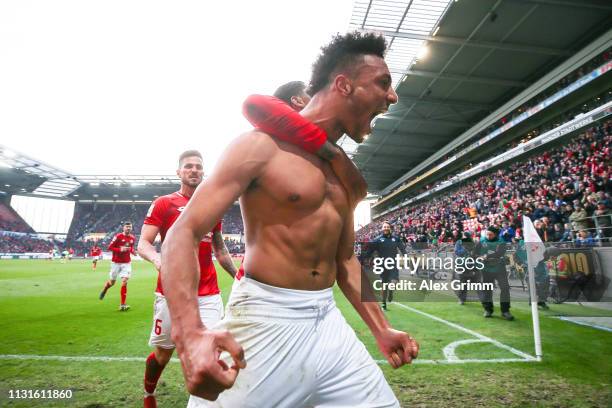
535	254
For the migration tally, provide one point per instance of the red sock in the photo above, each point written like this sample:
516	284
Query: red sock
153	371
123	294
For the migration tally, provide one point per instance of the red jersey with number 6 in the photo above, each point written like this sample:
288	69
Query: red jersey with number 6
163	213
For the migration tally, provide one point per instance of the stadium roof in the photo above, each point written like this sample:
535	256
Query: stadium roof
454	63
24	175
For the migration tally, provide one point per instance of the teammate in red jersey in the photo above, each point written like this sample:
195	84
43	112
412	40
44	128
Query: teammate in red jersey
122	246
162	214
96	254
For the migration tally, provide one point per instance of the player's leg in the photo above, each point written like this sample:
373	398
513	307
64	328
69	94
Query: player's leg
486	296
347	376
154	366
278	345
124	282
211	309
112	278
386	279
108	284
394	279
125	273
504	288
163	346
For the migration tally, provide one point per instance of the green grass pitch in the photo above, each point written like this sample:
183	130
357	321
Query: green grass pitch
49	308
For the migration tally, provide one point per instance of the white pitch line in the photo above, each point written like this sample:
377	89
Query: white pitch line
595	326
470	332
466	361
68	358
449	350
176	360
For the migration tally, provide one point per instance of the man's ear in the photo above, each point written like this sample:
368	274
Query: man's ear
297	103
343	84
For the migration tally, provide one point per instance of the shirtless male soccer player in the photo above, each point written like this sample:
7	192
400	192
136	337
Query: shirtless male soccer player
281	318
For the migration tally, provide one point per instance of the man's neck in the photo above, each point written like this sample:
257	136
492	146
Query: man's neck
186	190
323	112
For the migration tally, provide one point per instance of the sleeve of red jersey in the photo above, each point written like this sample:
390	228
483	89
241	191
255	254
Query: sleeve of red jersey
217	227
113	246
276	118
155	215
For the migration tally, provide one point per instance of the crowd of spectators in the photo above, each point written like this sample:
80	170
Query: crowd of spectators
585	69
10	221
103	218
555	122
566	191
234	246
232	221
25	243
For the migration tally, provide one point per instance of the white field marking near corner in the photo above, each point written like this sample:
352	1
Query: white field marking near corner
176	360
449	350
481	337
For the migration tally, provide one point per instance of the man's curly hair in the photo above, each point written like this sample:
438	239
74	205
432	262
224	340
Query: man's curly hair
341	54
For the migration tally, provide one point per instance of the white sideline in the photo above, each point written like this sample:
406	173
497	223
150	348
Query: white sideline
481	337
449	350
36	357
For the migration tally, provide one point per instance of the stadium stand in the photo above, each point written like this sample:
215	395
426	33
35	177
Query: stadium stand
232	221
11	221
579	73
555	122
24	243
535	105
107	218
568	188
234	246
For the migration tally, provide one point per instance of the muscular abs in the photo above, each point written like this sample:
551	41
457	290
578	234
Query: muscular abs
294	214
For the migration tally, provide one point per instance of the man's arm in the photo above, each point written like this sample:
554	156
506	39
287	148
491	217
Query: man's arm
349	175
222	254
113	247
198	348
278	119
398	347
146	249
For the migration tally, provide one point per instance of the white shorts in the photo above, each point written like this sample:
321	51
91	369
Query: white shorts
123	270
95	258
211	311
300	352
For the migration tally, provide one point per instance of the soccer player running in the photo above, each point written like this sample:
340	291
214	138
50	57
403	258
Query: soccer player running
281	317
96	253
162	214
122	246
